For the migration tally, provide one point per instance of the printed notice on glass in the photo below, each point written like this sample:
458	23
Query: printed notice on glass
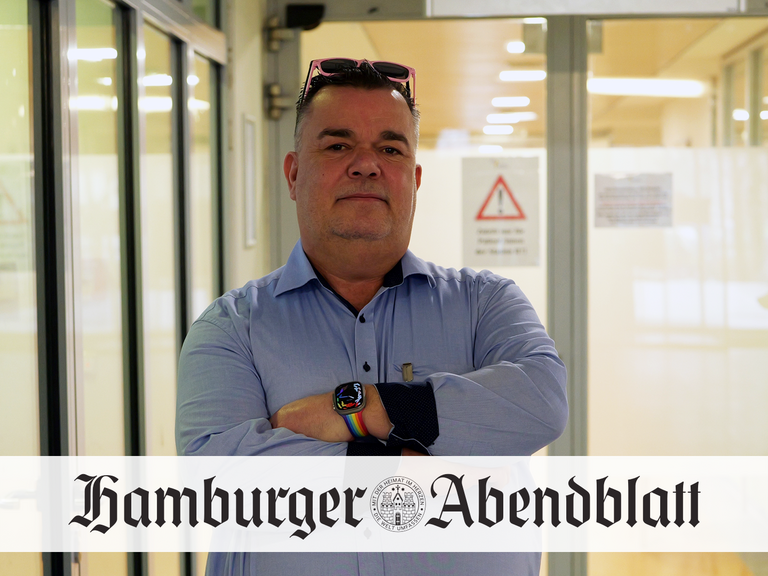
501	212
633	200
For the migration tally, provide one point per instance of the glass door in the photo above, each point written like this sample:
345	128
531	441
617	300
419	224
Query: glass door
678	255
19	410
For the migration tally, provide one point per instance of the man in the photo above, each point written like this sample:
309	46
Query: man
451	363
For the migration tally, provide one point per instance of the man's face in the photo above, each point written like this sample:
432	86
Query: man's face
354	176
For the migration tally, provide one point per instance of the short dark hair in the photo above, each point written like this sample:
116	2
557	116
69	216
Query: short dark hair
364	76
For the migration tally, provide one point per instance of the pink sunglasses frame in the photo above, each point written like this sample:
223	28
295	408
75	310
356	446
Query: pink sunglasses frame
316	65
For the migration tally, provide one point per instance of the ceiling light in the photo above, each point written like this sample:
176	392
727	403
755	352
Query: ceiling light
97	103
490	149
522	75
200	105
511	101
157	80
156	104
660	87
516	47
764	115
106	81
92	54
740	115
193	80
534	20
497	129
511	117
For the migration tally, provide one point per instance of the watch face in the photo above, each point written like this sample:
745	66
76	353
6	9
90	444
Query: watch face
349	397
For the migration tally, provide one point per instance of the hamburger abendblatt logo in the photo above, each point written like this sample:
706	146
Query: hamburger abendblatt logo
398	504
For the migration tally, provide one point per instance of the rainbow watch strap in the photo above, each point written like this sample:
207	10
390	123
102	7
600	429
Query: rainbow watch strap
355	424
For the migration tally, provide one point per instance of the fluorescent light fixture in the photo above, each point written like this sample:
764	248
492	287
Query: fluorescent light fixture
522	75
764	115
498	129
198	105
156	104
92	54
157	80
511	117
511	101
516	47
765	100
490	149
659	87
193	80
740	115
94	103
106	81
534	20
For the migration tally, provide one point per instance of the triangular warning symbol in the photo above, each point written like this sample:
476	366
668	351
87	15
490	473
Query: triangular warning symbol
500	204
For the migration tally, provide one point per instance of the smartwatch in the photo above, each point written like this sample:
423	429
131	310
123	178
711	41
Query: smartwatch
348	402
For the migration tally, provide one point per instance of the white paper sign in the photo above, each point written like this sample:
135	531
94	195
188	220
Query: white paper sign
501	212
633	200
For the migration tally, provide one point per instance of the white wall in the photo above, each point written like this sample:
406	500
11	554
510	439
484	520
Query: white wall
245	73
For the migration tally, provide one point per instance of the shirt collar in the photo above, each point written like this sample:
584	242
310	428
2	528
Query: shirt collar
298	270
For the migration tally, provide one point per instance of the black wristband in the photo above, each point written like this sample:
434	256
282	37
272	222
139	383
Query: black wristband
412	410
371	449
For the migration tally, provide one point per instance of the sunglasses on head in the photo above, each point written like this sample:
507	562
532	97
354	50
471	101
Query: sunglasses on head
392	71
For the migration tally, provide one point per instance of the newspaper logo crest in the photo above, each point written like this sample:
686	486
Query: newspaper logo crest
398	504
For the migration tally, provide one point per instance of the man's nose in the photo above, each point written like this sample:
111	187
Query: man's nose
364	164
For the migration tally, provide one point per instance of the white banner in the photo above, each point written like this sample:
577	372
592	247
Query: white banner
375	504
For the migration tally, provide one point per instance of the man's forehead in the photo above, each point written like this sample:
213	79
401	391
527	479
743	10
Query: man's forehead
336	109
347	102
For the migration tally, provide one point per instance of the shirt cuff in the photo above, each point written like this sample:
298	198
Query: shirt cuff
371	449
412	410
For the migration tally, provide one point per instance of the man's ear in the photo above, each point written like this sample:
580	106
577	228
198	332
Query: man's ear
291	170
418	176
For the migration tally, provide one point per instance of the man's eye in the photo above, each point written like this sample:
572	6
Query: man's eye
391	150
336	147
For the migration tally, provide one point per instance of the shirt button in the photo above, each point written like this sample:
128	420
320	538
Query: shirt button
366	367
362	319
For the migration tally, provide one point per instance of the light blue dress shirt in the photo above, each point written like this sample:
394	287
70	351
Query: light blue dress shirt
498	382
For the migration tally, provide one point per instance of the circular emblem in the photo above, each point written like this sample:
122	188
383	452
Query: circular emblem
398	504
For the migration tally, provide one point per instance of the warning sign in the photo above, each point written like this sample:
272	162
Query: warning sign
501	212
500	204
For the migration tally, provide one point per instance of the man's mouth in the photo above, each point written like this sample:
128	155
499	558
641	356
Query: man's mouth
363	197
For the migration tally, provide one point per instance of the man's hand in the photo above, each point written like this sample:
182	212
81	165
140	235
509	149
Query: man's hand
315	417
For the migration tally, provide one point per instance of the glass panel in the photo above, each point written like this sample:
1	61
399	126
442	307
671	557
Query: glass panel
158	262
764	98
205	10
98	238
678	273
19	424
99	234
158	250
202	196
19	411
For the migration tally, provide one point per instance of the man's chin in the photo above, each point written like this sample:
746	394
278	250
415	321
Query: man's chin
361	235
